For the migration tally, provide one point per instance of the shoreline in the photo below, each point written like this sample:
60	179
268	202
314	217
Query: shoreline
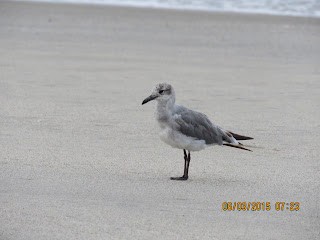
168	9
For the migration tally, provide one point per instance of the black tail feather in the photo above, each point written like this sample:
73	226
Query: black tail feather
240	137
236	146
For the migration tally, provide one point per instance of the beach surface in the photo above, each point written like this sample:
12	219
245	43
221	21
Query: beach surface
80	157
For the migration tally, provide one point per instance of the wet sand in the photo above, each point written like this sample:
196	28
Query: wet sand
81	158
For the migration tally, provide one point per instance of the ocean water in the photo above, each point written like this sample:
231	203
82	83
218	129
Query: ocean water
276	7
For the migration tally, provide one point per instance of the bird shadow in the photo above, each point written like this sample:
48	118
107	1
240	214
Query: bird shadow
219	180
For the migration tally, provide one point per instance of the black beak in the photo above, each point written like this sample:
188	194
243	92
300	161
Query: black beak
148	99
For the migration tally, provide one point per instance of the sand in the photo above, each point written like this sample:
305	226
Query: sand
81	158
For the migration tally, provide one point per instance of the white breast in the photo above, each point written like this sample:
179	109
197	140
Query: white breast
177	140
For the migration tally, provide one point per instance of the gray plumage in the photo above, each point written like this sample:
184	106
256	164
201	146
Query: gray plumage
197	125
186	129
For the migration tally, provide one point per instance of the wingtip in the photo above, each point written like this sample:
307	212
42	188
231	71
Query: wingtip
237	146
240	137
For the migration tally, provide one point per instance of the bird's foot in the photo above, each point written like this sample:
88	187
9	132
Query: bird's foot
183	178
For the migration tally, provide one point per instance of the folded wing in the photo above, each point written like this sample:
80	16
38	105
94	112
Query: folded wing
197	125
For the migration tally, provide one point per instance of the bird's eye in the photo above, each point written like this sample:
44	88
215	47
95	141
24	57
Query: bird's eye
161	91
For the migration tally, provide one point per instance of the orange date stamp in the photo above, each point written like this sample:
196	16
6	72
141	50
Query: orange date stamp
261	206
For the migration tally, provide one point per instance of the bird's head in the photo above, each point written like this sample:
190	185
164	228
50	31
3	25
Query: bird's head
162	92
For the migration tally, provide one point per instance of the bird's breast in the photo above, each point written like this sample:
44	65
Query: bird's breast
167	136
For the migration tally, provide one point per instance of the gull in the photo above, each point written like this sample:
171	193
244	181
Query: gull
186	129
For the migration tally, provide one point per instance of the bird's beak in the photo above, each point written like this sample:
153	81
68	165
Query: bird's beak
150	98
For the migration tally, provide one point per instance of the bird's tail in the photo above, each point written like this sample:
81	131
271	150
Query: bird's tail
240	137
230	139
237	146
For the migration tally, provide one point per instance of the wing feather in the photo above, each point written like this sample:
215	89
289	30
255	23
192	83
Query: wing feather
197	125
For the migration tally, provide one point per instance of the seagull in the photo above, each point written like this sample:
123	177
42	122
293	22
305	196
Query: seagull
186	129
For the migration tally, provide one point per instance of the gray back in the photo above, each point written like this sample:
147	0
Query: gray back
197	125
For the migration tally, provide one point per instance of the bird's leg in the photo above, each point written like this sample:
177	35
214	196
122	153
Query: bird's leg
185	171
188	163
186	167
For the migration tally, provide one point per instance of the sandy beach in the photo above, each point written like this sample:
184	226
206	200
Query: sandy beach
80	157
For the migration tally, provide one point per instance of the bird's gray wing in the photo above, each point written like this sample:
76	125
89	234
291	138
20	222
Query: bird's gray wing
197	125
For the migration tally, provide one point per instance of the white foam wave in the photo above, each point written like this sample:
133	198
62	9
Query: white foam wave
278	7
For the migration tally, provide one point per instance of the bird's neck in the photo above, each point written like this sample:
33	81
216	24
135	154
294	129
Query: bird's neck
165	110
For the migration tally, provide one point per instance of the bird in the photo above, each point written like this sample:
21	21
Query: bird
186	129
